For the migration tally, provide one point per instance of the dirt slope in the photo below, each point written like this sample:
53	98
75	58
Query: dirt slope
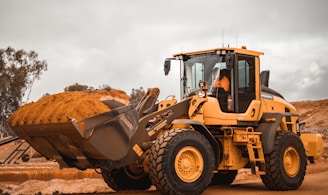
315	115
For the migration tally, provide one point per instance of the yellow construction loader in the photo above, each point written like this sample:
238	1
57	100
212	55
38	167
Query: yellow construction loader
227	119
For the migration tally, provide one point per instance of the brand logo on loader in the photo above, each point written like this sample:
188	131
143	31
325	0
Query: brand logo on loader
127	122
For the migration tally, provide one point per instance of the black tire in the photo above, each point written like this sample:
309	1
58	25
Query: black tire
286	165
126	178
224	177
181	162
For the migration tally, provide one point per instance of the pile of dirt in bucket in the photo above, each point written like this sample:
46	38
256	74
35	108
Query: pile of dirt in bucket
58	108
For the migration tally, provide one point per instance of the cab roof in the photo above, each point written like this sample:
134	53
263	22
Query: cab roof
242	50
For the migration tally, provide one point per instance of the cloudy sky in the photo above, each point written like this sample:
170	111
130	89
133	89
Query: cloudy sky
123	43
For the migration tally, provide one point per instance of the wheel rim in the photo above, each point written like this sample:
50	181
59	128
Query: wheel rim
189	164
291	161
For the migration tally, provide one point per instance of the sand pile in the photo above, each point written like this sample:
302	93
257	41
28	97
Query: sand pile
114	94
59	107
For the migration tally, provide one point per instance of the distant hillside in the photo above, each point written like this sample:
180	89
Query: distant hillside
315	115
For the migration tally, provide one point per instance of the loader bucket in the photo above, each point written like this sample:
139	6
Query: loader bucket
111	132
61	142
78	130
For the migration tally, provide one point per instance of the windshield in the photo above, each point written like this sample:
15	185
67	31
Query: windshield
206	67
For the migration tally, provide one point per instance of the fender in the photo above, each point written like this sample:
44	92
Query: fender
268	127
198	126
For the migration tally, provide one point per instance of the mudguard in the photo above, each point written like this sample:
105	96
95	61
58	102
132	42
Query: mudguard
268	127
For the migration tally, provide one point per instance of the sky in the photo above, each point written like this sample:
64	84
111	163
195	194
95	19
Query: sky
123	43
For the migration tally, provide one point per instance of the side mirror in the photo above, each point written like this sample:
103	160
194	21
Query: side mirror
265	74
167	65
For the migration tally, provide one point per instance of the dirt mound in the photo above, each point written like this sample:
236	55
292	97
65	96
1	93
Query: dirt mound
57	108
114	94
314	114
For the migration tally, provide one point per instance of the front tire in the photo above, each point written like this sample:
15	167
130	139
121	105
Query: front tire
127	178
286	165
181	162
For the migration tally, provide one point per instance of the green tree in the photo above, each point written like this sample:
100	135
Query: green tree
78	87
18	71
136	95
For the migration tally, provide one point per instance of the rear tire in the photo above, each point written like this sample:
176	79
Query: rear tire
286	165
181	162
126	178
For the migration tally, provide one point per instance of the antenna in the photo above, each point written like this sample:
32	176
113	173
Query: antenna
232	26
222	38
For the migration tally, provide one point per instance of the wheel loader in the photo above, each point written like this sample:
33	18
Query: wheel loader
181	147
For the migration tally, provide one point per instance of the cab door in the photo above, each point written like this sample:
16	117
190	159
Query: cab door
244	87
244	83
244	92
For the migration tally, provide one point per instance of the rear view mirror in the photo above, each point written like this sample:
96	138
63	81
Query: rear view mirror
265	77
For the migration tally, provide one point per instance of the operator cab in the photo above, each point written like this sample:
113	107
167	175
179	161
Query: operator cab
229	72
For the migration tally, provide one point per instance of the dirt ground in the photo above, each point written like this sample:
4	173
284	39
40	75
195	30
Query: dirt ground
44	177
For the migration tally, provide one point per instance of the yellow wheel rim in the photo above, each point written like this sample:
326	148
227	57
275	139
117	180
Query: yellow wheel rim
291	161
189	164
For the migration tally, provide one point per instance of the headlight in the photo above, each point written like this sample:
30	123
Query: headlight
201	94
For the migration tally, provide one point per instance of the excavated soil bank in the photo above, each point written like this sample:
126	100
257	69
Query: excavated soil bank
314	114
44	171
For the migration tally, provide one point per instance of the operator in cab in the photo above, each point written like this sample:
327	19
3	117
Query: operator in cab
222	80
222	84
